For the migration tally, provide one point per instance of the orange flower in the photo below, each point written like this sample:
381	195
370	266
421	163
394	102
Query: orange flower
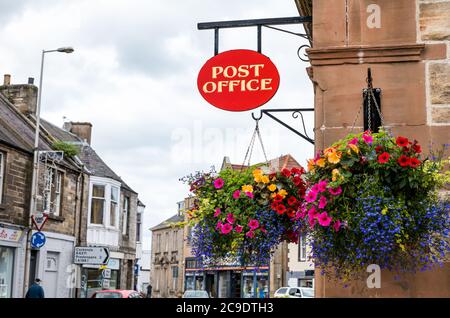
321	162
334	157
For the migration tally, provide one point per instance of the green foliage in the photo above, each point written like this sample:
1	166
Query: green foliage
68	149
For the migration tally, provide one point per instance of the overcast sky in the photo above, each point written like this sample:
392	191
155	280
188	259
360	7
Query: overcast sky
133	76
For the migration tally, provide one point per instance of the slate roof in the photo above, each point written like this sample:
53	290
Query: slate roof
87	155
15	129
167	223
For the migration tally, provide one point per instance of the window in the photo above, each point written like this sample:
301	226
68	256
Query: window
114	206
175	240
167	242
52	191
6	271
189	235
125	209
174	277
138	226
302	248
97	204
2	165
158	243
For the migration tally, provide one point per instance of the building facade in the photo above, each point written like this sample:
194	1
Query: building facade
166	276
58	192
300	265
406	45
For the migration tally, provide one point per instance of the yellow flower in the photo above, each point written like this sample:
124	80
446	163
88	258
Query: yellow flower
384	211
334	157
335	174
258	179
354	148
247	188
283	193
257	172
321	162
265	179
327	151
402	247
310	165
272	187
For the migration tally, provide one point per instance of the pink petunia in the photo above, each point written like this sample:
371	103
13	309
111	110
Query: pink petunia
322	202
368	139
315	188
312	213
311	196
227	228
354	141
324	219
236	194
239	228
312	222
218	211
250	234
253	224
249	194
263	230
337	225
219	225
322	186
335	191
230	218
218	183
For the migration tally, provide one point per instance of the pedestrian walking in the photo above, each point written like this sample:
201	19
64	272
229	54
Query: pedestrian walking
35	290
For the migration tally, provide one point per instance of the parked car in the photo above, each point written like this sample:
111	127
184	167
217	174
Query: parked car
117	293
294	292
195	294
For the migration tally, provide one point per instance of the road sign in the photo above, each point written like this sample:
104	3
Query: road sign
106	283
106	273
39	220
91	255
38	240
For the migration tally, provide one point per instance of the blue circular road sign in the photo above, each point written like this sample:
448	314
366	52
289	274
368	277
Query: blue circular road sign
38	240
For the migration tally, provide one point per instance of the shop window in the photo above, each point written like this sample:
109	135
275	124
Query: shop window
2	167
52	191
97	204
6	271
125	213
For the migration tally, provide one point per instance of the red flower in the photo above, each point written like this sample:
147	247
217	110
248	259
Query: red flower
404	161
290	212
414	162
402	141
297	180
296	170
416	147
286	172
379	149
281	209
292	201
383	158
274	206
278	198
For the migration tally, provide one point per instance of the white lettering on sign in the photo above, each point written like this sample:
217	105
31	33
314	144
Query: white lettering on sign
374	279
374	19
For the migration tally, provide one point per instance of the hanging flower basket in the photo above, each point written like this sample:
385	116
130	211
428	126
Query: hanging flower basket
240	216
372	200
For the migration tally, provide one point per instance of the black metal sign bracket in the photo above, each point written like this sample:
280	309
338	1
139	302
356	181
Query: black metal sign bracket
258	23
296	113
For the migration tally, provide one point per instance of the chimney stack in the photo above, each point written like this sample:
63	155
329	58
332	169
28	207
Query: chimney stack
81	129
23	96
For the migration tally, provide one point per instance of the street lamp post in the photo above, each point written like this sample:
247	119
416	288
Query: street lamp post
36	162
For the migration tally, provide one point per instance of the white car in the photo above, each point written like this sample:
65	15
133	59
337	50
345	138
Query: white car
294	292
196	294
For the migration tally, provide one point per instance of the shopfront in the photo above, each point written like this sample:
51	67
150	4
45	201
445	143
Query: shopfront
12	246
93	277
230	281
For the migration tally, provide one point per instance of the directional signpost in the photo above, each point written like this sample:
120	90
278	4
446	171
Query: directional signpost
91	255
38	240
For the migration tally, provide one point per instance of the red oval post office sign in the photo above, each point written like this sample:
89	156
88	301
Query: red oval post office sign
238	80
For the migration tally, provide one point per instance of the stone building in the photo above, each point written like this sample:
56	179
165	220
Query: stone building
58	192
406	45
110	218
166	274
87	204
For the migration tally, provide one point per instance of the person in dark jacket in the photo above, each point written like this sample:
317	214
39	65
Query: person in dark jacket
35	290
149	291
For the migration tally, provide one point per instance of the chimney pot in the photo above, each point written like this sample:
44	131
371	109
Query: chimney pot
81	129
31	80
7	79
